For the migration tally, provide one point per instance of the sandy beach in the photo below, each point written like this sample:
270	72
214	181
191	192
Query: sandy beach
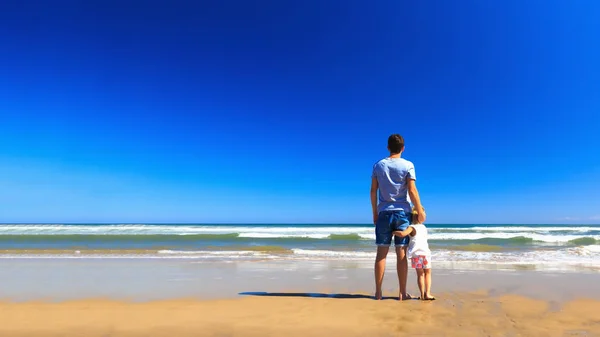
465	314
136	297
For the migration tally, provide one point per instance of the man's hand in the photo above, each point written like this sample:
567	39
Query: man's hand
421	217
375	217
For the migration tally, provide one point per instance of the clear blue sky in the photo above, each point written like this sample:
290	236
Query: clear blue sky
275	111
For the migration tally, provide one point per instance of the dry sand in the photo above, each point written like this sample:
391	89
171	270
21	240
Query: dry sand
453	314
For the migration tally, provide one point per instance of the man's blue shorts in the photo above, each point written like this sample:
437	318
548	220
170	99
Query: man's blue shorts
389	221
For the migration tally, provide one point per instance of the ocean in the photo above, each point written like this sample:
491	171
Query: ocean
540	247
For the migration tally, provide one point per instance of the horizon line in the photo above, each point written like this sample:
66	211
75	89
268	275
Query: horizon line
279	223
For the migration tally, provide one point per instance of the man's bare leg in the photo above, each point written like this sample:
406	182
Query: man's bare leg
402	269
382	252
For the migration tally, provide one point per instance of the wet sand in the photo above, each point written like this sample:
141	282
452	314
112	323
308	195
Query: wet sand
136	280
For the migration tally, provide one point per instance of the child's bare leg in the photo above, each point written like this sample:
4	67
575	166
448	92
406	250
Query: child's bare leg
421	282
428	294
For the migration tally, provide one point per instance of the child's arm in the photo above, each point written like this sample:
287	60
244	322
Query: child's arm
405	232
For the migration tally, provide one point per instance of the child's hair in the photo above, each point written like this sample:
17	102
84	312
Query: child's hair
414	219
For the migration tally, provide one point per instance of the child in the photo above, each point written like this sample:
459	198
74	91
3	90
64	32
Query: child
419	255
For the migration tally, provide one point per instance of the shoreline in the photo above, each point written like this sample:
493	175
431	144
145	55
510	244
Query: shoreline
551	248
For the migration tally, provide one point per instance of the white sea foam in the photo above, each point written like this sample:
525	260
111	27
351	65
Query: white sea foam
549	238
576	257
557	234
519	229
226	253
162	254
592	250
579	257
177	230
280	235
331	253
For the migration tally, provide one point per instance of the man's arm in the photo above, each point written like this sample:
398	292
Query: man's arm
414	197
374	187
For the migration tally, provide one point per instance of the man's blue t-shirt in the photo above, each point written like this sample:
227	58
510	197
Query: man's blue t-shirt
392	176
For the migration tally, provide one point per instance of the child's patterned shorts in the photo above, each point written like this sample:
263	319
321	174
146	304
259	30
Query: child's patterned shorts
421	262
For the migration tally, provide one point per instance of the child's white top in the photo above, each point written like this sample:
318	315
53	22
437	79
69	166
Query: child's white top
418	244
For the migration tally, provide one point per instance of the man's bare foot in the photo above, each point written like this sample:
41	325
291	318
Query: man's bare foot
404	297
378	295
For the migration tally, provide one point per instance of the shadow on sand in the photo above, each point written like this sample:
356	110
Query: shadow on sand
315	295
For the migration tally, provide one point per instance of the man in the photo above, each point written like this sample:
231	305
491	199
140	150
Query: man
394	178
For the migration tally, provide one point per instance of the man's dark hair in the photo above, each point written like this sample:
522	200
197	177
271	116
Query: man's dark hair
395	143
